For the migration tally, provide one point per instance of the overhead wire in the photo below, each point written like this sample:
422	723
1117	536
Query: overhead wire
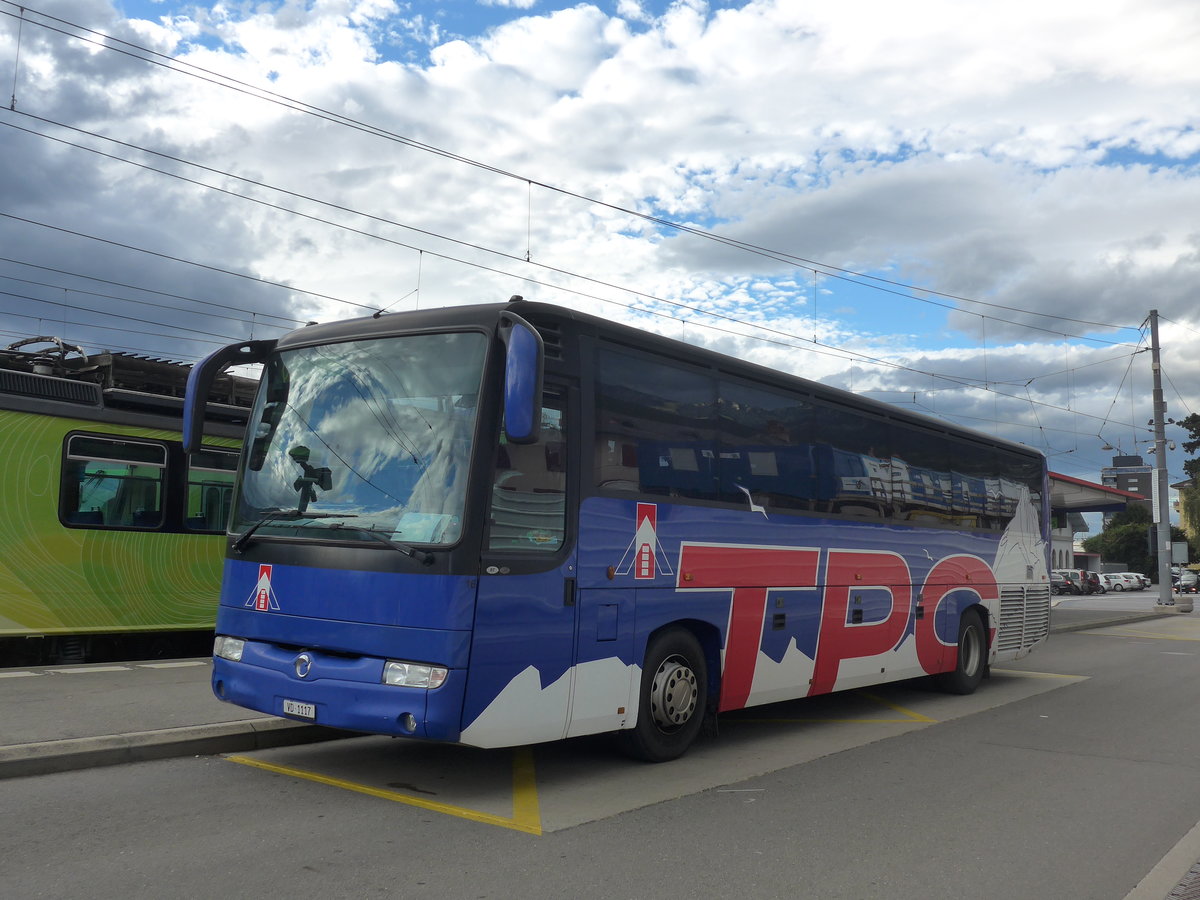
184	67
840	352
141	289
388	221
225	338
812	265
77	290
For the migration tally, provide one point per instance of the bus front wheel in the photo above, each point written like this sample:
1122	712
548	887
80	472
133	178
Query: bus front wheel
672	700
972	657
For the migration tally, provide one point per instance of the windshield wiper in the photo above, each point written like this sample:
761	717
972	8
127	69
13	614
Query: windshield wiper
411	552
275	515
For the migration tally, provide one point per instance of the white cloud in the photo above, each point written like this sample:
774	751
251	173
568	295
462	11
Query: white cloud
1037	156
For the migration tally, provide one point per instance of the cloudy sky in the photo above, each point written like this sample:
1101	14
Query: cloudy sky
965	208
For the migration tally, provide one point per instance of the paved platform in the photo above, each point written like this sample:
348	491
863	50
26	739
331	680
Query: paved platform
53	719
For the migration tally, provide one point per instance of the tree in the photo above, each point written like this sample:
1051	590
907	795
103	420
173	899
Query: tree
1192	425
1189	498
1125	540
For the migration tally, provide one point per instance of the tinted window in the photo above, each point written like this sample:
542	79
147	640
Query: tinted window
655	431
765	446
851	453
666	430
921	484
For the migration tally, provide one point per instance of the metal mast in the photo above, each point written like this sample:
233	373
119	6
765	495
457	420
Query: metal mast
1162	507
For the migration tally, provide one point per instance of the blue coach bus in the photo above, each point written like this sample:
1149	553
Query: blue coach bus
513	523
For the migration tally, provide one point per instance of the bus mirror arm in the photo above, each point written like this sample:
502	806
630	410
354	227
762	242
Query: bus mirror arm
200	382
523	361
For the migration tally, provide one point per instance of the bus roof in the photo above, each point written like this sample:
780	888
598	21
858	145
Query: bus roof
485	316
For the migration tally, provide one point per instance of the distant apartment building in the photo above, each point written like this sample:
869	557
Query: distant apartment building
1130	473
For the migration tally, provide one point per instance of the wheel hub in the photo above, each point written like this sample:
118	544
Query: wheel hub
972	651
673	694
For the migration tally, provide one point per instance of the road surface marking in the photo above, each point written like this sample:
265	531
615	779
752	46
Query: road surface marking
526	815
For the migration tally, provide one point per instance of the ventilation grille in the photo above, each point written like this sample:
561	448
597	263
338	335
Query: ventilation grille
551	340
1024	617
45	387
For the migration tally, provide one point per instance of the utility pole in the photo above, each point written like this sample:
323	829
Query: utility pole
1162	511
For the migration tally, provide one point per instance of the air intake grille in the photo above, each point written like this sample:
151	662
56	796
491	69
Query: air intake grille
551	340
1024	617
25	384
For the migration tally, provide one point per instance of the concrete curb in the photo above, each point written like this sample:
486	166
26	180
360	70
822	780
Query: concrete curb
46	757
1119	619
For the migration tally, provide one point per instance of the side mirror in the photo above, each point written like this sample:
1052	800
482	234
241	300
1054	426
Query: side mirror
200	381
522	379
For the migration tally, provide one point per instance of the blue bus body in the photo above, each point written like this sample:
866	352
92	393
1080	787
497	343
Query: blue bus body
607	576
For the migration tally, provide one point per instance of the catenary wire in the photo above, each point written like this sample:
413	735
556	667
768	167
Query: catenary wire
162	60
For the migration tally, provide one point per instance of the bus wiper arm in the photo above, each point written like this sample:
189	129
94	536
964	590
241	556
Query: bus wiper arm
420	556
275	515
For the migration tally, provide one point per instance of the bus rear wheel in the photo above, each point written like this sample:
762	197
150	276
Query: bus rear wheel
972	657
673	698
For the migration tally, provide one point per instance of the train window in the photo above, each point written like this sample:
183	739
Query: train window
112	483
211	474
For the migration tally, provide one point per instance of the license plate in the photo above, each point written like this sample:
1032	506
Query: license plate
300	710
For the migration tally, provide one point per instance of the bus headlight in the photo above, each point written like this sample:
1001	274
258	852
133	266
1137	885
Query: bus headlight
228	648
409	674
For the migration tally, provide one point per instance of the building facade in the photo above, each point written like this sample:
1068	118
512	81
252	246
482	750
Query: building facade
1131	474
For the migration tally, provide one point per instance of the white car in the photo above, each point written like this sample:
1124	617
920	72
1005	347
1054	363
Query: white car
1140	581
1120	581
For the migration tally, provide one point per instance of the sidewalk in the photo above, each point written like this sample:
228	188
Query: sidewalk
55	719
60	718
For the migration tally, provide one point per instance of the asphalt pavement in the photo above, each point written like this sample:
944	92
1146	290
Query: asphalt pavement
54	719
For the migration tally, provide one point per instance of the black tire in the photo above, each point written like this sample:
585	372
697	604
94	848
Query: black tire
972	657
673	698
1118	587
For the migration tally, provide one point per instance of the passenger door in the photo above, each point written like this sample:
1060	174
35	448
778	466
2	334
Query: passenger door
522	652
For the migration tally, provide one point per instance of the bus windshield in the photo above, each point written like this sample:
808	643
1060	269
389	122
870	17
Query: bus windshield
362	439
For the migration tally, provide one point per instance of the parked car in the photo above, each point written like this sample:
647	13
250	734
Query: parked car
1060	584
1120	581
1138	581
1086	582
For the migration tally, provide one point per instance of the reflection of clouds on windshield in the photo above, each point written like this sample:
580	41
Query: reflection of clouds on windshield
366	411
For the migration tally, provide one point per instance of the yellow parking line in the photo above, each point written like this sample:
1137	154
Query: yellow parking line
526	816
526	812
913	716
1021	673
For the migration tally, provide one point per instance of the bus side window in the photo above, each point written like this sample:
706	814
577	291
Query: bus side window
655	427
110	483
528	495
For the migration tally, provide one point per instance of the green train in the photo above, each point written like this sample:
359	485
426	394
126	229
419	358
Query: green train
112	536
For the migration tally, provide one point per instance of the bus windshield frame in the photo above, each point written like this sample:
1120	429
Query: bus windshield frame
359	439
